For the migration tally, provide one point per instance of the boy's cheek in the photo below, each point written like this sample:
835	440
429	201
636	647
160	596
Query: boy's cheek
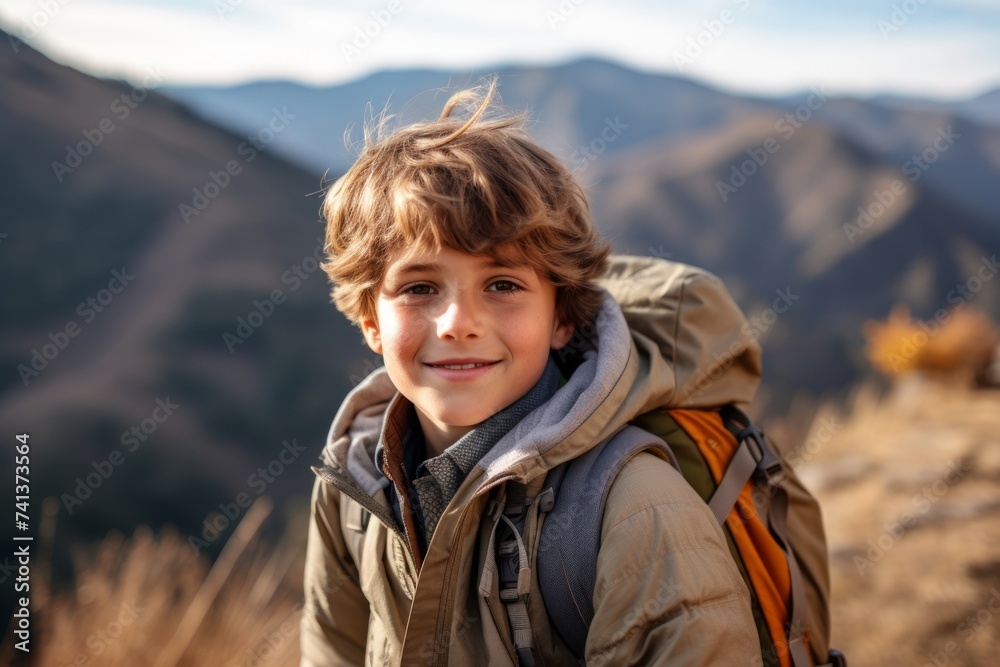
404	335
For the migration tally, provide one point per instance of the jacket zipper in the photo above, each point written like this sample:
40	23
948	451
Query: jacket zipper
349	487
449	573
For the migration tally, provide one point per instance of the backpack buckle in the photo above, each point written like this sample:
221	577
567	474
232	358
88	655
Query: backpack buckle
769	468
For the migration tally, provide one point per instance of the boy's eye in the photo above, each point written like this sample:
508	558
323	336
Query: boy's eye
505	286
418	289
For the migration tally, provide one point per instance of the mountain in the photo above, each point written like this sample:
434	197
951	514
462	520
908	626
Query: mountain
819	237
963	169
983	109
166	333
582	95
571	103
169	342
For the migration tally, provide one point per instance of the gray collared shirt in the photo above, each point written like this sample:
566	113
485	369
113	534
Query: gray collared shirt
435	481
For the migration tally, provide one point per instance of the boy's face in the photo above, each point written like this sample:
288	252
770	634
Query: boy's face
448	308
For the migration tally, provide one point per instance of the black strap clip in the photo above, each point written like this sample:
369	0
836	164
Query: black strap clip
837	659
769	468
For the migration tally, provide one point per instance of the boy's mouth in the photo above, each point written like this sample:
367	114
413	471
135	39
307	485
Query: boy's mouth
461	364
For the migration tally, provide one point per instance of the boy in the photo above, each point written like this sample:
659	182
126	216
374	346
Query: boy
466	255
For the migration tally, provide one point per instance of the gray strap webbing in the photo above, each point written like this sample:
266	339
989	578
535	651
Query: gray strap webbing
777	517
741	468
520	626
512	592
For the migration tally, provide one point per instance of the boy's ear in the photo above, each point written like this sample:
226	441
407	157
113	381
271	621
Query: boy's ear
372	336
561	335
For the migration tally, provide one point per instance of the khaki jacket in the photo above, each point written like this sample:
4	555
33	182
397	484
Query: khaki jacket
667	593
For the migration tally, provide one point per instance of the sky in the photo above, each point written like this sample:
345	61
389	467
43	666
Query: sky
947	49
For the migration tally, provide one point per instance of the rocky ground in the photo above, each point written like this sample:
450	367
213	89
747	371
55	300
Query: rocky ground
910	486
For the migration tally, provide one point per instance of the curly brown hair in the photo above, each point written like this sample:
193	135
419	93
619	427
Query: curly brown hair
480	186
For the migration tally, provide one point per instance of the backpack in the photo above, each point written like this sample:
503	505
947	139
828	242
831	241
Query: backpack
781	554
735	469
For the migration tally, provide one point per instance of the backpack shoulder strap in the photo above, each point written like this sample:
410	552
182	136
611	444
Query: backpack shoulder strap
571	530
755	459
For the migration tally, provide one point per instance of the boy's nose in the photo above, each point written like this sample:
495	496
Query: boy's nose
460	319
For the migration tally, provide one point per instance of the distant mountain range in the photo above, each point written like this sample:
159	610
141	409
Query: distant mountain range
570	103
664	158
163	248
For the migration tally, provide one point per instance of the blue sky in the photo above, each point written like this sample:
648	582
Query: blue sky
936	48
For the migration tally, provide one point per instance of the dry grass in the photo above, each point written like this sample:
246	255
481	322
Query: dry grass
910	490
150	600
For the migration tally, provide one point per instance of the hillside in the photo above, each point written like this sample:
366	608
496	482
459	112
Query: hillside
910	496
123	270
794	227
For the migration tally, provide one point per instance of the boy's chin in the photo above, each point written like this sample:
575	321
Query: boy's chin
457	419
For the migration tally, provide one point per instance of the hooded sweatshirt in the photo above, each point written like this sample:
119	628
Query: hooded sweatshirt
667	591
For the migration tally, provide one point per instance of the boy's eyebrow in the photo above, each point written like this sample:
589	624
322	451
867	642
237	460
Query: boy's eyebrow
433	266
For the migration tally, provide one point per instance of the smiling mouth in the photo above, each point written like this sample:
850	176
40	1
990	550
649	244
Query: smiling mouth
462	367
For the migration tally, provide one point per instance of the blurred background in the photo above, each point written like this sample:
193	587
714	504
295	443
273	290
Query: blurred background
168	343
